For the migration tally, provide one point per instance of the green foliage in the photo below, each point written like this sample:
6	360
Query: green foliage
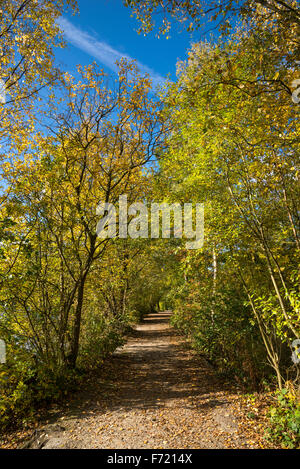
238	298
192	15
27	383
285	421
25	387
218	326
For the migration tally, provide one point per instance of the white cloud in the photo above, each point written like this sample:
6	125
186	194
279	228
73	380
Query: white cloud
101	51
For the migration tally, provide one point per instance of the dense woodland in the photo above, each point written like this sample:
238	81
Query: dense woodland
226	133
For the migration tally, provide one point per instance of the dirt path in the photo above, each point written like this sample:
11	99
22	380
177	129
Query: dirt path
153	393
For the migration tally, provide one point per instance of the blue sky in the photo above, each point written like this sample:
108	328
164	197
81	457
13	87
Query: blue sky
104	31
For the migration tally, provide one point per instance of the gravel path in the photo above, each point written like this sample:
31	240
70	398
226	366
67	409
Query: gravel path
155	393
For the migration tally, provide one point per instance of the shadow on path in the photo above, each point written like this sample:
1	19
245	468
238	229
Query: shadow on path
152	368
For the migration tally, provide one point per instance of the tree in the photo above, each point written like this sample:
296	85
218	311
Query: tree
29	33
234	144
201	12
100	140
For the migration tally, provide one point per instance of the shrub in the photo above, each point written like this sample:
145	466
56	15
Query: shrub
285	421
101	336
224	331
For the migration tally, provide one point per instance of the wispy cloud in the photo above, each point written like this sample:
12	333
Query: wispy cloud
101	51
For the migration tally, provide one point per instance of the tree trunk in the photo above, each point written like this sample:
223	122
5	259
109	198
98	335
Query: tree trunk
72	358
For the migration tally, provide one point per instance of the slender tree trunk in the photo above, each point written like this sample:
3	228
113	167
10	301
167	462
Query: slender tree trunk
267	340
72	358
